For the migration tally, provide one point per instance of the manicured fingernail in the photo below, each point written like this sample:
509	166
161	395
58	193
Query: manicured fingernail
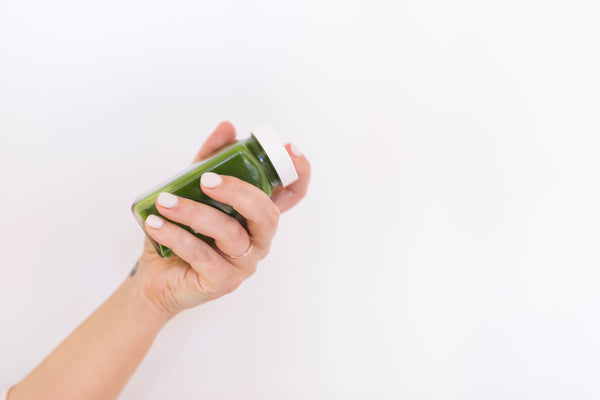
297	152
167	200
210	180
154	221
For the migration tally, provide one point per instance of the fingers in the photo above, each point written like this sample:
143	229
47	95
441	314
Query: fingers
223	135
188	247
230	236
214	272
261	213
285	198
289	196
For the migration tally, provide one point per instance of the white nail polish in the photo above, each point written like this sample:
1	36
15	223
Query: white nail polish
154	221
297	152
167	200
211	180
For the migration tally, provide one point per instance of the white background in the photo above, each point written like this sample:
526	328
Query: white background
448	248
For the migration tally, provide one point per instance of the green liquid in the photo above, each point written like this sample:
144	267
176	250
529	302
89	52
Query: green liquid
245	160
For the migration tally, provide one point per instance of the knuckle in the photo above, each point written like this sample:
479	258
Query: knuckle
231	284
250	269
181	240
272	214
302	192
202	254
235	232
197	214
264	251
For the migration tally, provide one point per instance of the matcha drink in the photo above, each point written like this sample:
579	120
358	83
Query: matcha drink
261	160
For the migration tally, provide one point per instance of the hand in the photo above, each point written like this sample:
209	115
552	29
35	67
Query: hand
197	272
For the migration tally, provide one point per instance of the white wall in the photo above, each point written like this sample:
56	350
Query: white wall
449	245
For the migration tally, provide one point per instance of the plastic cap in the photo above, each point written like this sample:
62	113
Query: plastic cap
278	155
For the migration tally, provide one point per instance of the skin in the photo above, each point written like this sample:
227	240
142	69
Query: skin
97	359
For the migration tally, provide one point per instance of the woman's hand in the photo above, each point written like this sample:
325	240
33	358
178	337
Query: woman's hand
197	272
97	359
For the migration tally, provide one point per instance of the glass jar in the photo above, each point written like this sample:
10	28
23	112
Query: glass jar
260	160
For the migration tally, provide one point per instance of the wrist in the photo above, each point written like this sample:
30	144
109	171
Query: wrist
140	309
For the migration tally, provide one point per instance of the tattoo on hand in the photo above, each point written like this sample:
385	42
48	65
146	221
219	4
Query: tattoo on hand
134	270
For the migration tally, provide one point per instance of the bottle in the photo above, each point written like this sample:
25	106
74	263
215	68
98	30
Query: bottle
260	160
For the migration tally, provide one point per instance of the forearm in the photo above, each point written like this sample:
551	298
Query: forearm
99	357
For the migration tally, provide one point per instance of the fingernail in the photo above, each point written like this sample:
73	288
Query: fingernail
154	221
210	180
167	200
297	152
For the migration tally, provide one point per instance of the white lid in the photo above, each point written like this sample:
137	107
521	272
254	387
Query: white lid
278	155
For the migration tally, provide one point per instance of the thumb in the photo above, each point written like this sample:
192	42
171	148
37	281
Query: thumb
223	135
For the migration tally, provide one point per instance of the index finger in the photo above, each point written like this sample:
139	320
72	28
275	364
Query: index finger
289	196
